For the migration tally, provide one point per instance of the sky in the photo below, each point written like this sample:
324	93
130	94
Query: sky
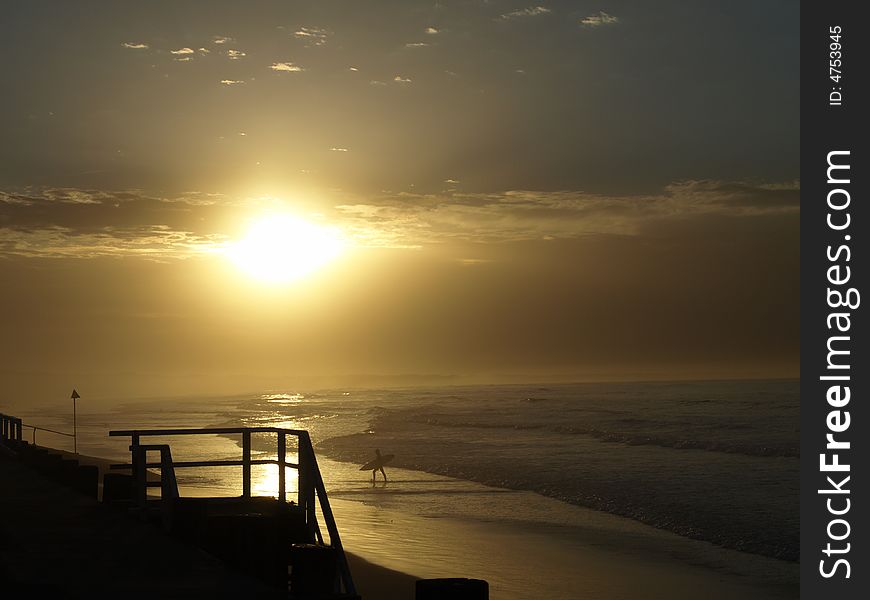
517	192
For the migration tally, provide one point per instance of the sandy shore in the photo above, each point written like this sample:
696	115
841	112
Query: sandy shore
592	555
374	582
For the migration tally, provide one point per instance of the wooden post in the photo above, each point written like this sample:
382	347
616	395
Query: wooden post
302	473
246	464
282	472
137	458
307	473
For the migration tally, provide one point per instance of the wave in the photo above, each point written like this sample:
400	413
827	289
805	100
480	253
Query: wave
718	522
785	450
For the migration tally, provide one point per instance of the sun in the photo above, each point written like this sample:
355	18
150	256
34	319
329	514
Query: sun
281	248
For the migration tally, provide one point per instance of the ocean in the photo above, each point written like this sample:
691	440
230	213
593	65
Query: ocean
705	472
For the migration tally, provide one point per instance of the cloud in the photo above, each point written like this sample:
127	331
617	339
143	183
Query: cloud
183	59
232	82
76	223
599	19
312	36
413	220
339	149
471	262
135	45
432	31
532	11
68	222
416	45
400	79
235	54
220	39
203	51
286	67
182	51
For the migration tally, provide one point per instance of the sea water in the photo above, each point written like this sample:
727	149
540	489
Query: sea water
705	472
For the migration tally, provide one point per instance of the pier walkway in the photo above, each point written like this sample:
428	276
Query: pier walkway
56	541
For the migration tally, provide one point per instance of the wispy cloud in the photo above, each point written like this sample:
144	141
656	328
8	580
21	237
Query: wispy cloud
599	19
203	51
235	54
312	36
232	82
432	31
220	40
286	67
400	79
182	51
335	149
416	45
65	222
410	220
73	223
532	11
471	262
135	45
182	59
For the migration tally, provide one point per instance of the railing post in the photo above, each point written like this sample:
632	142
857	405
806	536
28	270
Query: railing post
282	472
302	475
246	464
140	475
307	474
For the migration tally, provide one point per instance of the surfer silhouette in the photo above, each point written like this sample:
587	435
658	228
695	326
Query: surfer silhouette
377	464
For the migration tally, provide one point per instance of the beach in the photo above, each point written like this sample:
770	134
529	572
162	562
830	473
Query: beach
635	564
462	499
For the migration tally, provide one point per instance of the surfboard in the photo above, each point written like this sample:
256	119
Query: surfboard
377	463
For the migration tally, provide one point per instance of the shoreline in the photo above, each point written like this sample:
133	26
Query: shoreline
597	506
387	539
437	526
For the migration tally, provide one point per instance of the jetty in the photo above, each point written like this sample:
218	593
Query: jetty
162	543
75	526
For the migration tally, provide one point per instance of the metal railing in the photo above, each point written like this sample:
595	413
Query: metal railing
35	429
311	491
12	429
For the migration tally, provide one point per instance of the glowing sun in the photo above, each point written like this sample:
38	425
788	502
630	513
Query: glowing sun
282	248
